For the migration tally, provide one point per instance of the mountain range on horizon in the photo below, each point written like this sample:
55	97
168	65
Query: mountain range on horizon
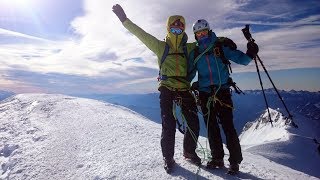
247	107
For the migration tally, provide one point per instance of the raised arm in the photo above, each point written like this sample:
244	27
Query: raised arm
150	41
238	56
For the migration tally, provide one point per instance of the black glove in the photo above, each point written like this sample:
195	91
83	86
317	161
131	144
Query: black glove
117	9
253	49
195	86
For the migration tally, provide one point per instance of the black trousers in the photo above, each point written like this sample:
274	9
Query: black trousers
223	114
189	110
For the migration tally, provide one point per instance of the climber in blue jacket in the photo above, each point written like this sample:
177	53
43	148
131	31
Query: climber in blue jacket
210	59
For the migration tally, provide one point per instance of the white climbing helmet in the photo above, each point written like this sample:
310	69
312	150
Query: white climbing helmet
199	25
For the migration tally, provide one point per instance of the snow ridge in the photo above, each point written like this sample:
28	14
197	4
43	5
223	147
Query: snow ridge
282	143
262	131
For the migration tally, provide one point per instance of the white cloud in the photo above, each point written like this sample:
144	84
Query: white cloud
278	45
104	46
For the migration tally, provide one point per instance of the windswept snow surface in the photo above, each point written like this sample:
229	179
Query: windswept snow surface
61	137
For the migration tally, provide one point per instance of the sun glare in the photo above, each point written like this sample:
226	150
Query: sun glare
14	2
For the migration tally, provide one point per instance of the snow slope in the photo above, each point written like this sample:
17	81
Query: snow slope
61	137
262	131
282	143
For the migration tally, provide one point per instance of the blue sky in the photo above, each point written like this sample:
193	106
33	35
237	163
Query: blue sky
74	46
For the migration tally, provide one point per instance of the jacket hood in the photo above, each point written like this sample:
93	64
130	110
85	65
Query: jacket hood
174	40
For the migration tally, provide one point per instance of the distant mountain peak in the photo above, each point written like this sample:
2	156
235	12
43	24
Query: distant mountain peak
277	119
262	131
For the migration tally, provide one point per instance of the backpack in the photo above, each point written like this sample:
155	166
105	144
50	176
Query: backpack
163	58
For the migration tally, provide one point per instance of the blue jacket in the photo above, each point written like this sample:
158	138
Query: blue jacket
211	69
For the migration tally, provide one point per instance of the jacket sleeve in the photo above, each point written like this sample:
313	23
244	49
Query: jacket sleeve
236	56
192	69
150	41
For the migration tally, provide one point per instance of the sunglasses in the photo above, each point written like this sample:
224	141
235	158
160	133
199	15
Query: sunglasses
202	33
176	30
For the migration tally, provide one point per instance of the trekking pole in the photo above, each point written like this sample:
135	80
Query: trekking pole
248	36
289	114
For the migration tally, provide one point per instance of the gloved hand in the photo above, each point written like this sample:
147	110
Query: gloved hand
117	9
195	86
253	49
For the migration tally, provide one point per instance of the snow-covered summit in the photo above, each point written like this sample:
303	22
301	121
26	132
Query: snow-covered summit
281	142
47	136
262	131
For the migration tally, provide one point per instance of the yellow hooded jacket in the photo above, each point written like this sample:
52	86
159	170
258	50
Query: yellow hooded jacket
173	65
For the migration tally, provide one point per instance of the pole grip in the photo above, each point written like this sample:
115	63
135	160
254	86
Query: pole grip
247	34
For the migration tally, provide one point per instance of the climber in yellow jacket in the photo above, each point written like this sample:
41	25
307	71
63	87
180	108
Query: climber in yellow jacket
173	84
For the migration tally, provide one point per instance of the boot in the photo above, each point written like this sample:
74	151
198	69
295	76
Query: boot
215	163
169	164
192	157
233	168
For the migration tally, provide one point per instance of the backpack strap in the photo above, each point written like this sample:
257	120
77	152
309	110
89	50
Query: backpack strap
204	52
196	51
182	54
186	55
216	49
185	51
163	58
164	55
218	52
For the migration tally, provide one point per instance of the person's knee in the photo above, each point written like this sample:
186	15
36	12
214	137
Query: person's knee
168	123
168	131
